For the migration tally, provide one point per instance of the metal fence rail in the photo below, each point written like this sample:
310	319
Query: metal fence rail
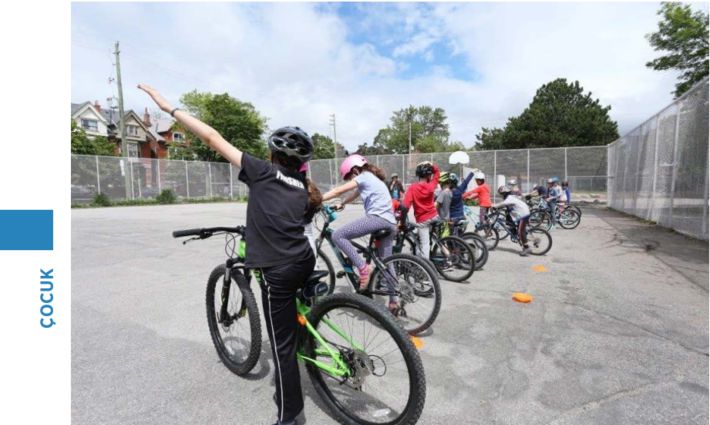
148	177
584	167
659	170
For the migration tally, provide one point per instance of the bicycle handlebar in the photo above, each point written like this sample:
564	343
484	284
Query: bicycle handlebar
205	233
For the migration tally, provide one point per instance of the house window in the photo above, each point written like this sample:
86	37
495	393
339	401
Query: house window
132	130
133	150
178	137
90	125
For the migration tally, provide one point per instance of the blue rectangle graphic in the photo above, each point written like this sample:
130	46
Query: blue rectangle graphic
26	230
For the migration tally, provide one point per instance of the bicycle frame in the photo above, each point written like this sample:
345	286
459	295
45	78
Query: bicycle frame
339	368
368	252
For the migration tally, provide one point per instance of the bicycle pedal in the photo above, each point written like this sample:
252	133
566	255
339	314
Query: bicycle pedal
340	274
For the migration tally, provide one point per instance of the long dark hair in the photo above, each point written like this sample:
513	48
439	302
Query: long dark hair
375	170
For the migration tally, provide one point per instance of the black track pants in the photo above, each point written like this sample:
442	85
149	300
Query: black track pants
278	294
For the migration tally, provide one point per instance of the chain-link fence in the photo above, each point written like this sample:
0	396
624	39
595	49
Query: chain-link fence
659	170
148	177
584	167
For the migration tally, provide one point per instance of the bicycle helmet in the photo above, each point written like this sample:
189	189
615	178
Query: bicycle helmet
512	182
424	169
394	175
350	162
479	176
293	142
444	177
453	178
504	189
550	180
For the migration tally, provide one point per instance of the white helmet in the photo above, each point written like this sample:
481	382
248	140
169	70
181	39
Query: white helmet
479	176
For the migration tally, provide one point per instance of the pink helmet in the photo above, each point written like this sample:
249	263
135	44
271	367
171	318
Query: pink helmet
353	160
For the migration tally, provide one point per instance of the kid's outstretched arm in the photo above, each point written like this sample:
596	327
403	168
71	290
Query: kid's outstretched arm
207	134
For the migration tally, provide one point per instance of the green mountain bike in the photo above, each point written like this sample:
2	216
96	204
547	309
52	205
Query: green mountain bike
360	361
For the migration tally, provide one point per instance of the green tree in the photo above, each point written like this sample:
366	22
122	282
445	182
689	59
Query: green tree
238	122
429	131
683	35
82	144
560	114
323	147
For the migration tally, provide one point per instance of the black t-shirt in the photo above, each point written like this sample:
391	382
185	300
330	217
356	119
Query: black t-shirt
277	201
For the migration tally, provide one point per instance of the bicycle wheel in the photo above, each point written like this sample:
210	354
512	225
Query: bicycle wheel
539	241
234	326
324	263
490	236
416	284
480	248
540	219
569	219
386	383
453	258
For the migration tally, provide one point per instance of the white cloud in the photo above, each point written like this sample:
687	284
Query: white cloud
296	64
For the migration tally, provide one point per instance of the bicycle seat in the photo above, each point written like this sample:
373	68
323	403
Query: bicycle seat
316	276
381	234
314	287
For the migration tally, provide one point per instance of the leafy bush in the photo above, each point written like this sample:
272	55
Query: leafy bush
167	196
101	200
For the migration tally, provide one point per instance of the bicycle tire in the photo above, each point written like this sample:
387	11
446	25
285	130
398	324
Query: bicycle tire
417	287
569	219
543	236
491	236
247	306
329	307
481	252
322	257
540	219
464	259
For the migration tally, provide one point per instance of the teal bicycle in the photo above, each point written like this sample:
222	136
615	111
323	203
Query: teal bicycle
361	362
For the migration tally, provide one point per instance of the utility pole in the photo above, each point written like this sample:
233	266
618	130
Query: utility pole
335	138
410	136
122	125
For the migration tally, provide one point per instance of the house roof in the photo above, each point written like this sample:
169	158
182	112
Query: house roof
78	108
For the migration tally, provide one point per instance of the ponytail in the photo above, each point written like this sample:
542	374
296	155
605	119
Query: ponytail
376	171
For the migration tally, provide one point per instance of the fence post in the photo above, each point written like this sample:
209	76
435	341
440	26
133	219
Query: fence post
404	175
160	170
705	202
98	178
231	185
565	163
652	208
187	181
133	194
528	172
209	178
495	176
675	161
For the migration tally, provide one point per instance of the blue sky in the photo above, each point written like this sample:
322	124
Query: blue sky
300	62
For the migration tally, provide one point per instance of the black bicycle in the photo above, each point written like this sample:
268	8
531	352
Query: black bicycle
362	364
408	277
452	257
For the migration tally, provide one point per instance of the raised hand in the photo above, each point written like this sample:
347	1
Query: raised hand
159	100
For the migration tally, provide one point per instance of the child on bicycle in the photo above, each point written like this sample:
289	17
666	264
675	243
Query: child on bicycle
368	182
443	199
456	212
276	248
567	191
421	196
518	213
481	192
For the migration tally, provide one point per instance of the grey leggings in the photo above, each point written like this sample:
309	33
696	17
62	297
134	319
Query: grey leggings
361	227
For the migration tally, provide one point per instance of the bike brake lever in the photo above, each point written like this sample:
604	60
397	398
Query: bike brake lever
190	240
